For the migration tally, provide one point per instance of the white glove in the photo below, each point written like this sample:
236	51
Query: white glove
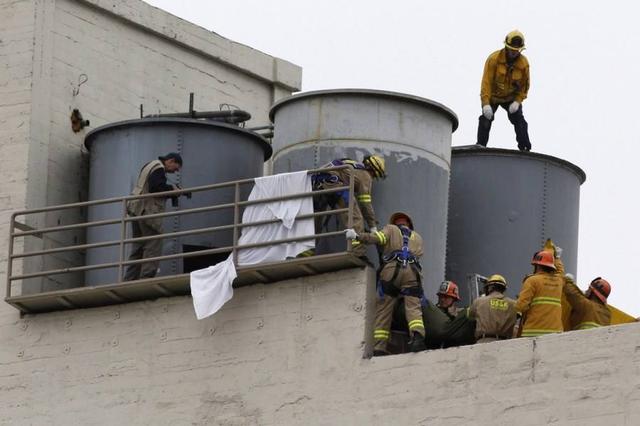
373	230
514	107
558	252
351	234
487	111
570	277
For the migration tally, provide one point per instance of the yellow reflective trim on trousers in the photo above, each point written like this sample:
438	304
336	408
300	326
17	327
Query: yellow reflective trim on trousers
364	198
546	301
587	324
380	334
355	243
531	332
381	237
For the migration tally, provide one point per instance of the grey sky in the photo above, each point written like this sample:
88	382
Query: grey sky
582	102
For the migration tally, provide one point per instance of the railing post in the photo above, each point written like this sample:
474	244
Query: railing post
352	200
123	236
10	257
236	222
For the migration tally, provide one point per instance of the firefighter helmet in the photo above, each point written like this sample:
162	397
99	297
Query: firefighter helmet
496	279
601	288
398	215
543	258
449	288
375	164
514	41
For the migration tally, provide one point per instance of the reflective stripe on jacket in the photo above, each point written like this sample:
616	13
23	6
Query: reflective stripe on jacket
540	300
502	82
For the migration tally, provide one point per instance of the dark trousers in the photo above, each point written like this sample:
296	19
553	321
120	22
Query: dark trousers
142	250
520	125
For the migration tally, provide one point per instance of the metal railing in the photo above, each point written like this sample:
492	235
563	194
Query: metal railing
21	230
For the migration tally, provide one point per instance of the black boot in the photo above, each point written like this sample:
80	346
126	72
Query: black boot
417	343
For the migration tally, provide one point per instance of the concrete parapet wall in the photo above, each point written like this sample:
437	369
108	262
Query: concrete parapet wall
292	353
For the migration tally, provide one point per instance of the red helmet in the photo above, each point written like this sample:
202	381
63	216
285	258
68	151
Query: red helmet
601	288
397	215
543	258
449	288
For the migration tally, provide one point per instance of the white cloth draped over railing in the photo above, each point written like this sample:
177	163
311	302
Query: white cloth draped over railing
212	287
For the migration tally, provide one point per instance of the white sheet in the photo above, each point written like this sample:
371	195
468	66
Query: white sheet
276	186
212	287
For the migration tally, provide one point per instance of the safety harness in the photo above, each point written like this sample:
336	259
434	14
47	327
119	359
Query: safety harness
320	179
403	258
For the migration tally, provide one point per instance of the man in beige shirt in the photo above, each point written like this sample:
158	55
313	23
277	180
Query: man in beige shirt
495	314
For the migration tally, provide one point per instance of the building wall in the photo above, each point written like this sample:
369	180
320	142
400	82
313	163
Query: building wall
292	353
16	53
130	53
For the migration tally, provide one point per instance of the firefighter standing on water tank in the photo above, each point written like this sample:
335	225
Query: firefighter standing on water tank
505	83
400	276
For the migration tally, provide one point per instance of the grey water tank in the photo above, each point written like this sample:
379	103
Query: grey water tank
212	152
413	134
504	204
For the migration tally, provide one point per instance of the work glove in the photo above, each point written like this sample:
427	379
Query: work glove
487	111
514	107
570	277
373	230
558	252
351	234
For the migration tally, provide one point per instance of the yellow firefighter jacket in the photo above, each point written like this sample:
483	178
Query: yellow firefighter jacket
540	300
390	238
362	185
585	313
503	82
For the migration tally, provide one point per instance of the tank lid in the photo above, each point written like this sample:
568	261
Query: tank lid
473	150
369	92
266	146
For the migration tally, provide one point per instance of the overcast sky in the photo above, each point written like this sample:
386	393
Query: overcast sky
585	67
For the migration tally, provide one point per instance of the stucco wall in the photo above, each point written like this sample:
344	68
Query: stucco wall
292	353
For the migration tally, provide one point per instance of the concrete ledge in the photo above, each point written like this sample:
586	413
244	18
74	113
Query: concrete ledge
175	285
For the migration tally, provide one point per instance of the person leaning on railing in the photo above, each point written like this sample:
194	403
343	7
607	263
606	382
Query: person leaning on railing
363	174
152	178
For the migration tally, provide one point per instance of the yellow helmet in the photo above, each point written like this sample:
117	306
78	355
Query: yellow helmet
375	163
514	41
497	279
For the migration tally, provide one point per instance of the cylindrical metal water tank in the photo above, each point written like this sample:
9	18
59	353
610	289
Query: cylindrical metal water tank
412	133
504	204
212	152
